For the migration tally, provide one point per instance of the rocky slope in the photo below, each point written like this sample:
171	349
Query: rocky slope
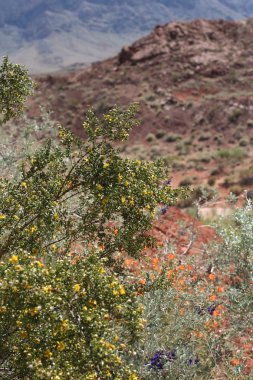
194	84
50	34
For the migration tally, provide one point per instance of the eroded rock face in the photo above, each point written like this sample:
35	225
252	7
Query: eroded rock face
47	35
176	64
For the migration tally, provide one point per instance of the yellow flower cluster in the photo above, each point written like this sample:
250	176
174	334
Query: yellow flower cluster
13	259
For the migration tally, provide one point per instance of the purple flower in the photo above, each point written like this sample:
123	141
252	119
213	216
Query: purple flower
164	210
211	309
161	358
168	182
193	361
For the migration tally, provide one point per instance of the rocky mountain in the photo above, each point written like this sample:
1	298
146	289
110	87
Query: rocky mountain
47	35
193	81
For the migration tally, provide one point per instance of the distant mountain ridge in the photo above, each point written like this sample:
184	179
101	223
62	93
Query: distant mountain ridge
48	35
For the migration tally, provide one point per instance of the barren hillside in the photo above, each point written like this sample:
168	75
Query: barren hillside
193	81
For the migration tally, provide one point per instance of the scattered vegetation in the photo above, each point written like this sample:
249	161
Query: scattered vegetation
80	295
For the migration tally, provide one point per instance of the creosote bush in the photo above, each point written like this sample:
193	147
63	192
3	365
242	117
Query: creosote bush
65	318
68	218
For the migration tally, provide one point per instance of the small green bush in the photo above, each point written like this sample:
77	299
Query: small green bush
160	134
234	154
234	116
150	137
172	138
15	86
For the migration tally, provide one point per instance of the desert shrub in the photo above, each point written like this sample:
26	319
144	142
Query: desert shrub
183	148
68	217
243	142
15	86
70	193
151	98
150	137
246	177
65	318
198	320
41	199
238	133
172	137
211	181
205	137
234	116
186	182
160	134
236	189
250	123
200	195
234	154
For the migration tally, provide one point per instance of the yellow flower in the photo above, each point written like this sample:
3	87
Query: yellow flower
123	199
2	216
117	359
19	323
99	187
133	376
18	268
56	216
3	309
48	353
92	303
39	263
106	164
62	134
33	229
107	345
120	177
91	376
126	183
105	200
13	259
57	377
76	288
47	288
23	334
142	323
64	325
122	290
60	346
23	184
34	311
131	200
145	192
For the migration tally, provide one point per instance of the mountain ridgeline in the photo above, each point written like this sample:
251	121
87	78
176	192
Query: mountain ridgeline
48	35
